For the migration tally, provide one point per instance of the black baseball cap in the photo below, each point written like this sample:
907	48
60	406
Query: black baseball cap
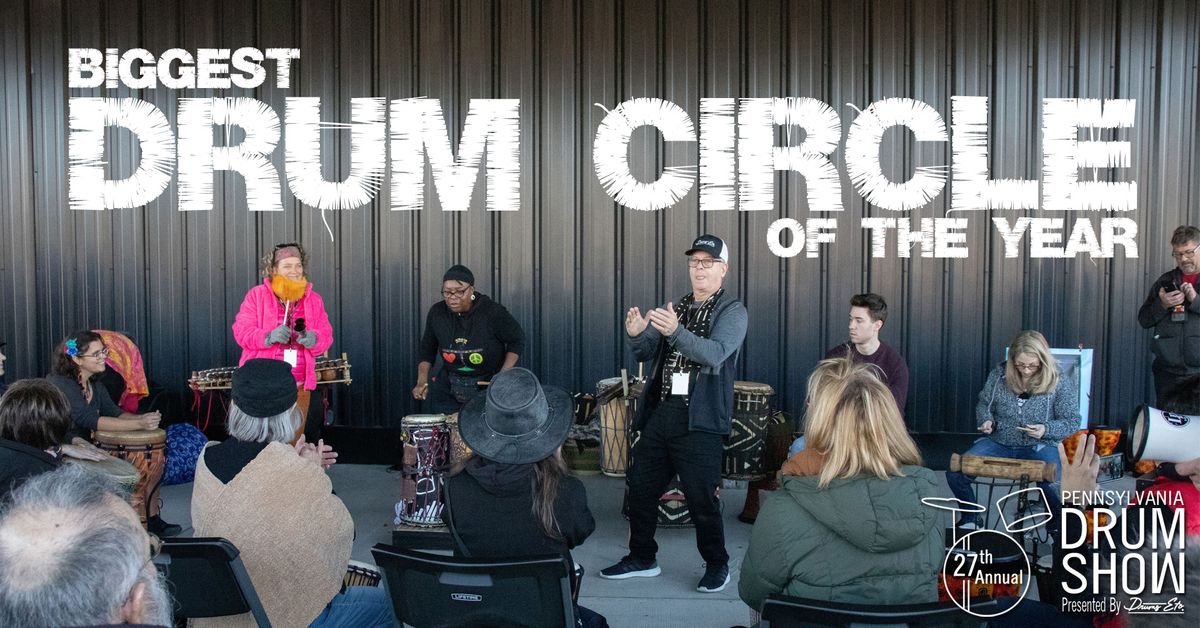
712	245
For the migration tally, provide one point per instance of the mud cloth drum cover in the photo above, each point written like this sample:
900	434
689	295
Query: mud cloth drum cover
425	457
745	446
146	450
672	504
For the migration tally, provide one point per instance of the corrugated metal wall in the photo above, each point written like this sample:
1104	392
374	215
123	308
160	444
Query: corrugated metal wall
570	261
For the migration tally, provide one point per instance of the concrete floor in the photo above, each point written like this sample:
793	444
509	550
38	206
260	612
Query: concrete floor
370	493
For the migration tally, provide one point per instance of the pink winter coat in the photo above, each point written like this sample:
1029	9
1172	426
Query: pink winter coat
261	312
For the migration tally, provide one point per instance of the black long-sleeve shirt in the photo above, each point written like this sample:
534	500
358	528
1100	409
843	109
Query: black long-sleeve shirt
84	414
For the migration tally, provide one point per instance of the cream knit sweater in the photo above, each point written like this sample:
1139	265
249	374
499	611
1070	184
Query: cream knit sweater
293	533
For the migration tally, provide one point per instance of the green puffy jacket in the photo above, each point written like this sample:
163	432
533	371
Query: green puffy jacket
859	539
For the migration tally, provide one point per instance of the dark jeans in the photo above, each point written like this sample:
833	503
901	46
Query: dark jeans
667	448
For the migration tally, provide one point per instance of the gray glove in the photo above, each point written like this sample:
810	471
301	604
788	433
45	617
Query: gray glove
307	338
280	335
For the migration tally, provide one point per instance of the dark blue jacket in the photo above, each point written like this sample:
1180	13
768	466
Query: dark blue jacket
710	406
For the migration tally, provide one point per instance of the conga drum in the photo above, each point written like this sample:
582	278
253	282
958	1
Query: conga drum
425	458
614	427
743	459
146	450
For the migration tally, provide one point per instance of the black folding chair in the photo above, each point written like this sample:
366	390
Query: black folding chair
781	611
206	578
430	590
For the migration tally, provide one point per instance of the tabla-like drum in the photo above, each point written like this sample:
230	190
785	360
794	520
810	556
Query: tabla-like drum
743	459
458	447
615	411
360	574
146	450
425	458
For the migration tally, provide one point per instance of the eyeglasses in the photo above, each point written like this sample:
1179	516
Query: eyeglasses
284	245
456	294
103	353
1187	254
696	262
1026	367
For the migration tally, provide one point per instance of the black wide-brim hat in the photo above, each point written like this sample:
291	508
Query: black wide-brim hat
517	421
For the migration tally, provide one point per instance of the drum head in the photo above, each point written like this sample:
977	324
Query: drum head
754	388
423	420
136	437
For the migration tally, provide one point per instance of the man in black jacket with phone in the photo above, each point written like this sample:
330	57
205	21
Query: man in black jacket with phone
1173	310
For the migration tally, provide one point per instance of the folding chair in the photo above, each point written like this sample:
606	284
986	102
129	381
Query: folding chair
206	578
781	611
430	590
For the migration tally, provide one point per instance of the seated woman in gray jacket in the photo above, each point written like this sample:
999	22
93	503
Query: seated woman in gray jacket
1025	409
847	523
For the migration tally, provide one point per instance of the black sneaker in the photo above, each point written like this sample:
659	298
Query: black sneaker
156	526
631	568
715	578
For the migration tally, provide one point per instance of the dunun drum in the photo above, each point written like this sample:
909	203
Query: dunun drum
425	458
146	450
743	459
614	426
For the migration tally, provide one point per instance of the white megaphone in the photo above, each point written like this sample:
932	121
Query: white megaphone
1164	436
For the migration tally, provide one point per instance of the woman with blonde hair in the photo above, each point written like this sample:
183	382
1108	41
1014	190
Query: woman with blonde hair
1025	409
847	523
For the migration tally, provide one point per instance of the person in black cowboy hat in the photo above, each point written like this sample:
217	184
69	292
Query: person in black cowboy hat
474	338
692	347
516	475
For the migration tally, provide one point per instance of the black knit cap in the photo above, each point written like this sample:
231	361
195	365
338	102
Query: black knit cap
264	388
458	272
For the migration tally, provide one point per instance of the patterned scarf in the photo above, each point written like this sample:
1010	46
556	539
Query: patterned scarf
697	320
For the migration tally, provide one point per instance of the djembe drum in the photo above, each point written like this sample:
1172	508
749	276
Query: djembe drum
120	471
748	448
615	410
360	574
425	458
459	451
146	450
743	458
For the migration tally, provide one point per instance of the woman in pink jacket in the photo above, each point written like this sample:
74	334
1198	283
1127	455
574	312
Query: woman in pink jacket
283	318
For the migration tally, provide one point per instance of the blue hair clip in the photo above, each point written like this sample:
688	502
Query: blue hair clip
72	347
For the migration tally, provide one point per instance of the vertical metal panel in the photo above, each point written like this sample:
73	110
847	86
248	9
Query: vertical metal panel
571	261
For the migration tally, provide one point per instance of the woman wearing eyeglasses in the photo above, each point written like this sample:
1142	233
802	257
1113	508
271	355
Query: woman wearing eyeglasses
76	362
284	318
1026	408
474	336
